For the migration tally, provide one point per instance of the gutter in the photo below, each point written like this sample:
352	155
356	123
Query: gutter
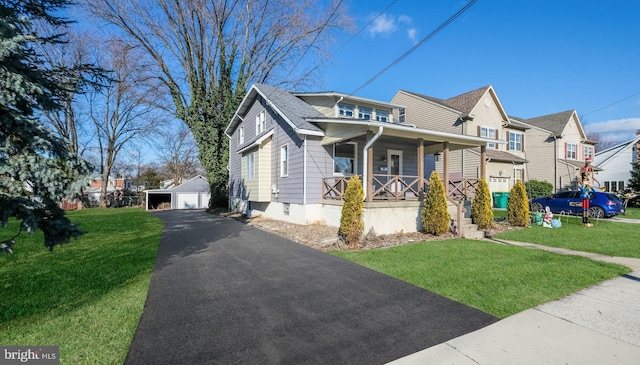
365	158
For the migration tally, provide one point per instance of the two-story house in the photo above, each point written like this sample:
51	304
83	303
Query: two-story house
475	113
291	154
560	149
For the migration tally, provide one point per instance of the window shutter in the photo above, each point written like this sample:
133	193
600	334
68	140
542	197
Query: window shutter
522	142
565	150
508	140
479	132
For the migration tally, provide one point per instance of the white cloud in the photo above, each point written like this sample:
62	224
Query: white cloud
412	33
616	129
614	125
383	24
388	24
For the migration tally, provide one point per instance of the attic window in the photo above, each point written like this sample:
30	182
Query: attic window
364	113
382	115
346	110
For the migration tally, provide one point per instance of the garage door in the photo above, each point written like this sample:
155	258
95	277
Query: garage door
187	201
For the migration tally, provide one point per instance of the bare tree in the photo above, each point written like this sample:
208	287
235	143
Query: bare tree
179	155
209	51
128	108
603	141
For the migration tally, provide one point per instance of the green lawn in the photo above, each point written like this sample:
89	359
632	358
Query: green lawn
631	213
86	296
605	237
499	279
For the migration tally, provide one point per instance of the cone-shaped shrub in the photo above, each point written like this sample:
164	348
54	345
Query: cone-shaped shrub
481	213
352	218
435	213
518	205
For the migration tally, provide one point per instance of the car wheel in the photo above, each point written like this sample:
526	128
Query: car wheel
596	212
536	207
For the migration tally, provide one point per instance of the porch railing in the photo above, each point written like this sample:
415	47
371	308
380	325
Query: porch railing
398	187
464	189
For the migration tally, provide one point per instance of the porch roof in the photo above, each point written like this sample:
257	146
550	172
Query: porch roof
340	129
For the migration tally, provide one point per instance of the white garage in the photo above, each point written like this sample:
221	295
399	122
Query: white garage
192	194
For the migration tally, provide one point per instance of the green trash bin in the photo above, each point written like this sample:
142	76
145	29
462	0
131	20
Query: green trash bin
500	199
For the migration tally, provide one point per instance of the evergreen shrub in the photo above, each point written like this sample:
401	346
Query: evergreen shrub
538	189
352	217
481	213
518	205
435	213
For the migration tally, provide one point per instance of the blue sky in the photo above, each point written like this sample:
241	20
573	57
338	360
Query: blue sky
542	57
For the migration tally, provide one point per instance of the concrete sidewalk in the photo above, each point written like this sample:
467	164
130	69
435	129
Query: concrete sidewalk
597	325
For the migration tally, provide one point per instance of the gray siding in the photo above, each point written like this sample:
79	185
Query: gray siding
290	188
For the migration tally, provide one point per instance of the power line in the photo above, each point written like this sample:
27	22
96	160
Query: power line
436	31
612	104
366	26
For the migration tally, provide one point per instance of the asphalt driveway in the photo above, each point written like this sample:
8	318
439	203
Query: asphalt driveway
223	292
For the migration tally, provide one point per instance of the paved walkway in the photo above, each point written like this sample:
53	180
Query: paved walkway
598	325
223	292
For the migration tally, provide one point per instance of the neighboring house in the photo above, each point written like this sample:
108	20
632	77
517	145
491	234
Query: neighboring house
192	194
291	154
93	191
557	156
475	113
616	164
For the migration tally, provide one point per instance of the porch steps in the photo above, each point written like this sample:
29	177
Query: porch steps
470	230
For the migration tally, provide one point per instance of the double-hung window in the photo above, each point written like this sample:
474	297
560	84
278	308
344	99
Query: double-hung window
382	115
284	161
346	110
588	152
344	158
250	165
515	142
488	132
364	113
571	152
261	122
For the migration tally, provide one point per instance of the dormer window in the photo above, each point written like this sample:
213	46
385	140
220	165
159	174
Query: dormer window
382	116
346	110
364	113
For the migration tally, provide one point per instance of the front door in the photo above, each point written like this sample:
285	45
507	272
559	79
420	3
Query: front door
394	166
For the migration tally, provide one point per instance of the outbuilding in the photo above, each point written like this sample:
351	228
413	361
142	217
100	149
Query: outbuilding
192	194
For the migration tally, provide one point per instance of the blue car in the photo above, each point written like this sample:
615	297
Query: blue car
601	204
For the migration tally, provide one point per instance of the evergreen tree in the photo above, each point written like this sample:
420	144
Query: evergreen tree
634	181
481	212
518	205
352	217
435	213
37	169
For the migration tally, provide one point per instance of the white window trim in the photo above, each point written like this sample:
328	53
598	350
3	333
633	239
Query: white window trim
385	113
252	176
261	122
495	136
241	135
342	106
284	161
575	151
355	160
515	143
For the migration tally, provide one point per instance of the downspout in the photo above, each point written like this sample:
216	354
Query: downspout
304	171
555	163
365	158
